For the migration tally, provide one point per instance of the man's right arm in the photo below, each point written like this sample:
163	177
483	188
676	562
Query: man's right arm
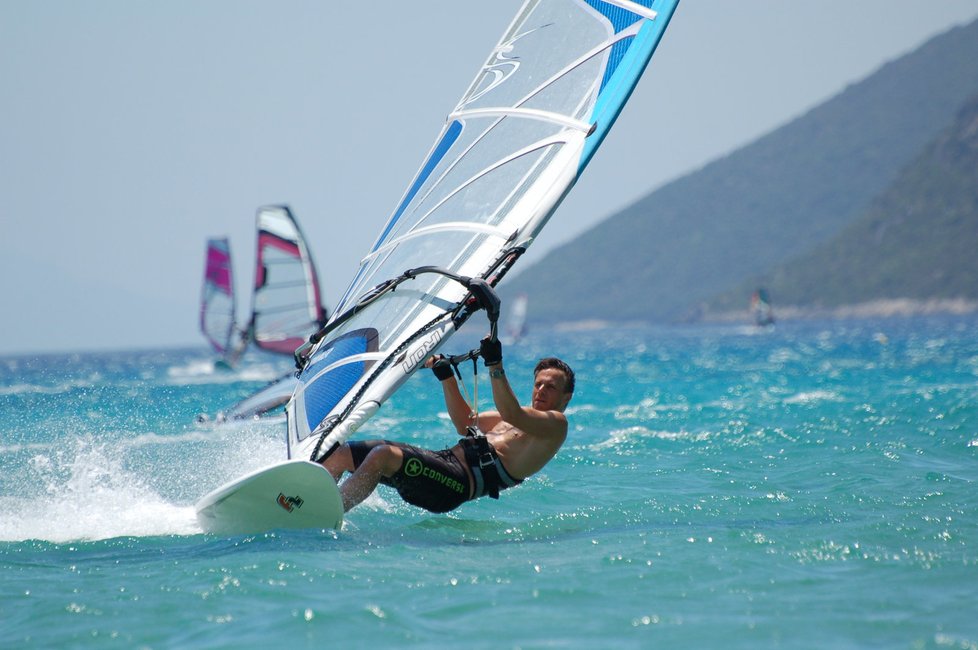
458	409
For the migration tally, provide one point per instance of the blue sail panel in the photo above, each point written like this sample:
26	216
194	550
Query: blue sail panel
622	77
323	394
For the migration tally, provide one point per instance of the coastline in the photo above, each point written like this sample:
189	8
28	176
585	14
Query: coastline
883	308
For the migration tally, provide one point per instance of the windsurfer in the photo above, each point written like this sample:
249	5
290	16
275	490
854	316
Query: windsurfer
498	448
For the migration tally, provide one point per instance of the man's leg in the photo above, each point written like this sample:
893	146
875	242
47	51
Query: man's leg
339	461
383	460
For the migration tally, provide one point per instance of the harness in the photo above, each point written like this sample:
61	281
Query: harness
487	471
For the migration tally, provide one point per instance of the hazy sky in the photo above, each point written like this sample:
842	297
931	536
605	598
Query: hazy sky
130	131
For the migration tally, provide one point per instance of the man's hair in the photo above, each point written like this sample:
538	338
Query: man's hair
556	364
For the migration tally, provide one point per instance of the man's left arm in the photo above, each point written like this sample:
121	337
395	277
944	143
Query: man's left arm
527	419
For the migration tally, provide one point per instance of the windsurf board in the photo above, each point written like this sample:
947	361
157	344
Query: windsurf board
291	494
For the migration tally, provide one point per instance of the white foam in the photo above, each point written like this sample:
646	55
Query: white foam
198	368
55	389
87	494
205	372
623	437
812	396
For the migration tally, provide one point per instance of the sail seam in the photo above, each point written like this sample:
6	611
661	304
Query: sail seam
529	113
635	8
458	226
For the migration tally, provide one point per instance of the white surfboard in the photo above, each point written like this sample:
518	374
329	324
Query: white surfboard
291	494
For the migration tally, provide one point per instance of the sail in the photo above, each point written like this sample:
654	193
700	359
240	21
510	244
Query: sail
507	155
287	302
217	296
516	325
267	402
760	307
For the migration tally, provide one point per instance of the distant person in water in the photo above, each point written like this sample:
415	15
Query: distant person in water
498	449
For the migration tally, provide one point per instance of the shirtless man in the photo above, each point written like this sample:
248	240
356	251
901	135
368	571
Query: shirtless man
517	442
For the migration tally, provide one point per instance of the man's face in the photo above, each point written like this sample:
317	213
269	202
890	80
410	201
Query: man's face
548	390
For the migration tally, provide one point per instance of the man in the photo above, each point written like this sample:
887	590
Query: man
498	448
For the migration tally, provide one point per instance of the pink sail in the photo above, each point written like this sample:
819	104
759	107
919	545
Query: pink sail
287	301
217	297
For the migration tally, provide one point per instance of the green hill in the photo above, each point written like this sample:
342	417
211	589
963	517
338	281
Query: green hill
918	240
660	259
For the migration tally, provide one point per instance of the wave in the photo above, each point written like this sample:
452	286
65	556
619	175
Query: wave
196	368
204	372
813	396
88	496
26	389
629	436
86	488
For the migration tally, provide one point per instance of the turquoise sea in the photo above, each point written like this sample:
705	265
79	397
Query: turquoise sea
812	486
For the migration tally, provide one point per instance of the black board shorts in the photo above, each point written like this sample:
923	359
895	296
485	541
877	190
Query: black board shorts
433	480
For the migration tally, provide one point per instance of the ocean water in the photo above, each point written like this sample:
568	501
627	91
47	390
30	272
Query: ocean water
813	486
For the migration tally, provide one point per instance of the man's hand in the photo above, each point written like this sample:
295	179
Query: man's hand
441	367
491	351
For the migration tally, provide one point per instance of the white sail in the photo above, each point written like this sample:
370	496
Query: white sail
508	154
267	403
516	324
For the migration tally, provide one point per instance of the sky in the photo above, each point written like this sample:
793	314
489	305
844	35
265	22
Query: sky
130	131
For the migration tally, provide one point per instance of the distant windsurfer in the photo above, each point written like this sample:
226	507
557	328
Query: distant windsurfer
498	448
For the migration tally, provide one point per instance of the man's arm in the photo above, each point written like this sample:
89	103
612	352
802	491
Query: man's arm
458	409
525	418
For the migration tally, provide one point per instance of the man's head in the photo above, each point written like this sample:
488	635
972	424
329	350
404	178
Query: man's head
553	385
